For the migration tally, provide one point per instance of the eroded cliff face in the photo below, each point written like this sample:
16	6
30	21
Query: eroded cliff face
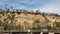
26	19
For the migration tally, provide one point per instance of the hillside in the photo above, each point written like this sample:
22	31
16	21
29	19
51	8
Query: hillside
29	20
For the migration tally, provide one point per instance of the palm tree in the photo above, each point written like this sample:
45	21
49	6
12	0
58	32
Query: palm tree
11	7
5	6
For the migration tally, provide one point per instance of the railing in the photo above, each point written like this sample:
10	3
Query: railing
43	30
29	30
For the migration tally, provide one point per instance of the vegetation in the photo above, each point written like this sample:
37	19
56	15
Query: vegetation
57	24
36	25
48	27
26	25
9	23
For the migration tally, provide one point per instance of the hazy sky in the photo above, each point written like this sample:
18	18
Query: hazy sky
42	5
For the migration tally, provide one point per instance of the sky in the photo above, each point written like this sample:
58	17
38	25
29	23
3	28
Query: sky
51	6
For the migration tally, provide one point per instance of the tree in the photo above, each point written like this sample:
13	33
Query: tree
0	23
57	24
48	27
10	25
36	24
26	24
